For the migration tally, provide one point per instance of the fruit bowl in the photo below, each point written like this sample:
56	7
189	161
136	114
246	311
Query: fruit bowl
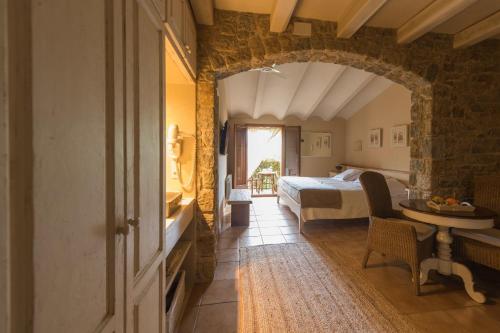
450	205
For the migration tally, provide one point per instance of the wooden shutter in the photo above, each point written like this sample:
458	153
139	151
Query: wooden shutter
292	151
240	156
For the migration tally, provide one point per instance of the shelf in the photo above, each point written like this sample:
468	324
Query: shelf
181	213
187	296
177	224
175	260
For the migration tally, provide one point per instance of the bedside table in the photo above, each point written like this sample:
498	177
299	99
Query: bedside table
332	173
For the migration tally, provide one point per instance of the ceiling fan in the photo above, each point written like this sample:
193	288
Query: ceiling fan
272	70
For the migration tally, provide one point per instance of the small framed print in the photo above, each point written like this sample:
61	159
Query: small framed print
326	141
316	144
375	138
399	136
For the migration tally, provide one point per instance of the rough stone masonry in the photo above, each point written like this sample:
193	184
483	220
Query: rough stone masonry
455	112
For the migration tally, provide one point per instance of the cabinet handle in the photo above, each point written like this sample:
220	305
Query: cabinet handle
188	49
134	222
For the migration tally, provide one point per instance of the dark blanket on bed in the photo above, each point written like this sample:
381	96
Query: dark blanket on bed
315	198
314	194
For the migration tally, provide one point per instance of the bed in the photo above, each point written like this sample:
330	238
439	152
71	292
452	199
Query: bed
331	198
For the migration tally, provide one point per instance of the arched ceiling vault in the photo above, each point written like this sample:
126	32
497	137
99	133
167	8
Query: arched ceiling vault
302	90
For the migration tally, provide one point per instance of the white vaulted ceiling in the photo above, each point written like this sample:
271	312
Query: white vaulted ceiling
303	90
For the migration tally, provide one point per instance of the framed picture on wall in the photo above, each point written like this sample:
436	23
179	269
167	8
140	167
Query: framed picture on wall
314	144
375	138
399	136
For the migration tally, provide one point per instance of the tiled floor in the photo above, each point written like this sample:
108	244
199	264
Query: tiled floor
443	307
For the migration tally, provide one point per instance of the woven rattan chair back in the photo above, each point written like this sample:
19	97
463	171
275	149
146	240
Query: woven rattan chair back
377	194
487	194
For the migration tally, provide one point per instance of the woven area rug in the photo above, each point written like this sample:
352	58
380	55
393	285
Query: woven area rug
301	288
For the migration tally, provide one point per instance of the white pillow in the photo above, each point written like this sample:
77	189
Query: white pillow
349	175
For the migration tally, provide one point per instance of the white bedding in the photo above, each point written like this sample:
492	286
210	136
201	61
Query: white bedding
353	199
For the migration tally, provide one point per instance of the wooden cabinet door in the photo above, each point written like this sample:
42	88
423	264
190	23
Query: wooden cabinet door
175	20
78	168
190	38
145	169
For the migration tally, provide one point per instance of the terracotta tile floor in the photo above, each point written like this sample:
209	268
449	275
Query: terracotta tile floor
443	307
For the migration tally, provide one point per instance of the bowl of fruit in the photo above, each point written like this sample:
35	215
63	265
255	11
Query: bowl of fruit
449	204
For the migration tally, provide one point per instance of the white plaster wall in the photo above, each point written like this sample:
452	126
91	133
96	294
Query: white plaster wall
390	108
180	103
222	169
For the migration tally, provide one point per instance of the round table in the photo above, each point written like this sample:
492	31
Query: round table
480	218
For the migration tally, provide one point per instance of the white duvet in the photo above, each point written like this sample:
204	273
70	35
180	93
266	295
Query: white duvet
353	199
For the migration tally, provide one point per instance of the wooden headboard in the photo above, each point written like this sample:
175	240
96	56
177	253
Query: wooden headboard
403	176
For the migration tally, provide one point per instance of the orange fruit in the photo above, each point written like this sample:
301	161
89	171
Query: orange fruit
451	201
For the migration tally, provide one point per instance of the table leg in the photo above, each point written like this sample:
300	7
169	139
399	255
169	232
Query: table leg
446	266
466	275
426	266
444	240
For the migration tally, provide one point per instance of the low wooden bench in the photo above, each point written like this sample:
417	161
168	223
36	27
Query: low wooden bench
240	202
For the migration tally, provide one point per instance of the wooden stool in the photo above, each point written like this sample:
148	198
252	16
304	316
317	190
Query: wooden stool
240	202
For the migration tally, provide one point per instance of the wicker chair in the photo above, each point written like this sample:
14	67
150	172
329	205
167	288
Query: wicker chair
482	246
390	233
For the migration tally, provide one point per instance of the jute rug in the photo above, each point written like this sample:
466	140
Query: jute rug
301	288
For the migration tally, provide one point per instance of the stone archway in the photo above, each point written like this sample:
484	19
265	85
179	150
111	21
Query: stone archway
421	106
207	116
238	42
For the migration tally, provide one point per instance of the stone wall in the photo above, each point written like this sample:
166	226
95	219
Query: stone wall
455	129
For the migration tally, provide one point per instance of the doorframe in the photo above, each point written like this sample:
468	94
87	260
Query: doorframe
4	176
299	145
282	162
233	153
16	165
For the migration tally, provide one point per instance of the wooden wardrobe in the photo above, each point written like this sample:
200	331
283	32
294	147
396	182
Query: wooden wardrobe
85	156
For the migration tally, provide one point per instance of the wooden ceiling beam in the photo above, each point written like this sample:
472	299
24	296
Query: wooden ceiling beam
203	11
282	12
433	15
356	15
478	32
